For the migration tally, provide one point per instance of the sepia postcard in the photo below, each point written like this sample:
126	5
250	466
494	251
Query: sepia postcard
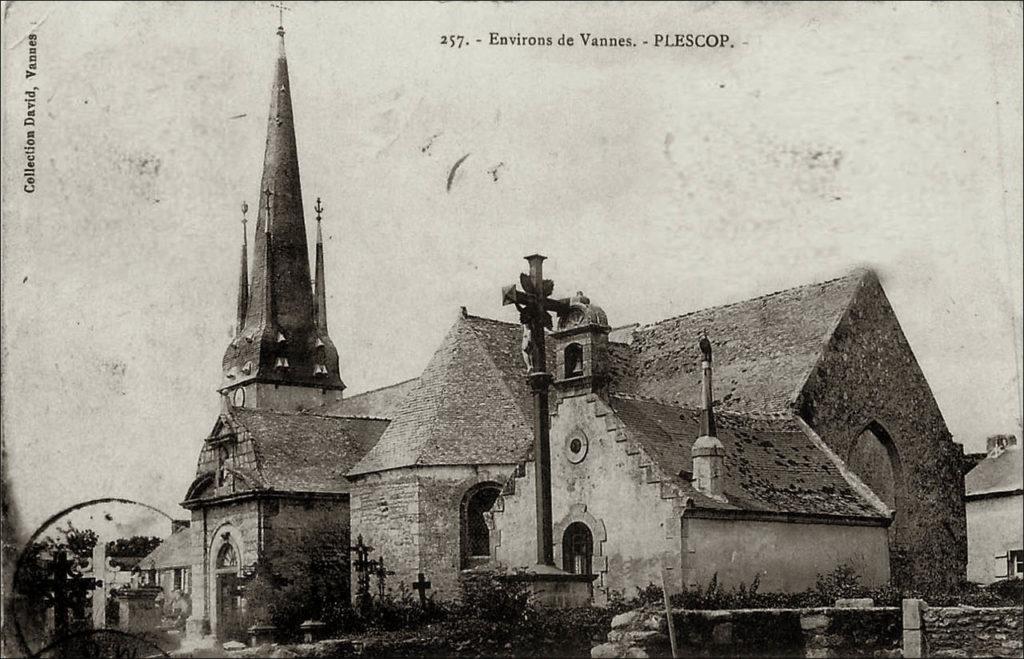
577	329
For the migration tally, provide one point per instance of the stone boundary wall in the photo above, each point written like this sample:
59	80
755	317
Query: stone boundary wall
818	632
962	631
853	629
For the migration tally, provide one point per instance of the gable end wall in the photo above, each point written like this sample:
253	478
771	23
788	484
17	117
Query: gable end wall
867	373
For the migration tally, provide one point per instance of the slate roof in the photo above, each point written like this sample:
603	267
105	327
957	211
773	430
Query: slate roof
175	551
771	464
1001	473
381	403
305	452
765	348
471	405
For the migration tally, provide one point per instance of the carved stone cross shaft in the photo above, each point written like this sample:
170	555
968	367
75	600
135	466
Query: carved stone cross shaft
534	304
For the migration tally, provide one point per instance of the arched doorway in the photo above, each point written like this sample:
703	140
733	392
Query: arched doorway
578	549
227	594
475	531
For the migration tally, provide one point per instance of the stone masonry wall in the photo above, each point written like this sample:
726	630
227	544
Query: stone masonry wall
241	522
821	632
868	373
311	534
385	512
413	518
965	631
441	496
614	490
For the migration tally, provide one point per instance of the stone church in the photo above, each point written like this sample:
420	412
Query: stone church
798	435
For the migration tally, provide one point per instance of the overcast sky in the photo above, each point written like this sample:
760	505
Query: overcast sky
656	180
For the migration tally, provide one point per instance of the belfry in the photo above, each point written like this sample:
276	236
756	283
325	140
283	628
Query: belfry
281	356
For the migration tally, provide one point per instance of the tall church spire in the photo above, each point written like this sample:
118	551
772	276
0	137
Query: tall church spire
282	340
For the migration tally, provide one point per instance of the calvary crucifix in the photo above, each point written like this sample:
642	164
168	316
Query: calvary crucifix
534	304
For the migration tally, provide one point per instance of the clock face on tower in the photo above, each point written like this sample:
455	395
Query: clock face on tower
238	397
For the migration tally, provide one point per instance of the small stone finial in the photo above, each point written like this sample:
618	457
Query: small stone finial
705	346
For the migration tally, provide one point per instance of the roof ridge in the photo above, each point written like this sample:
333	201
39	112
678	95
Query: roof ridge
753	414
828	338
470	316
306	413
387	386
855	274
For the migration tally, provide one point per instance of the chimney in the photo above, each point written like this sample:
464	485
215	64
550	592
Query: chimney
708	453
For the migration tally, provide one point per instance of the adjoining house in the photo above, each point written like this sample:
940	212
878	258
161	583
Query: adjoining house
170	564
994	496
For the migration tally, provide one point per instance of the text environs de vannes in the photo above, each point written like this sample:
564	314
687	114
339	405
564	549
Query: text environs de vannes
29	173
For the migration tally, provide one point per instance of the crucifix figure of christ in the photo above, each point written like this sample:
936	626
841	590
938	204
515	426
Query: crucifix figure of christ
535	303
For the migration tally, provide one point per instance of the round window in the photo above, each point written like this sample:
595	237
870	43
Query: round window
576	447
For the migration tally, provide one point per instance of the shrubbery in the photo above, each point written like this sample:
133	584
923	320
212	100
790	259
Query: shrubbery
841	583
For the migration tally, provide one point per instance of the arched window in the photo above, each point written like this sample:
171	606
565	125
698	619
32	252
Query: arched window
875	460
573	360
227	557
578	549
476	536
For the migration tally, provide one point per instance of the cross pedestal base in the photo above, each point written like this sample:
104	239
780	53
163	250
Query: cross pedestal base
556	589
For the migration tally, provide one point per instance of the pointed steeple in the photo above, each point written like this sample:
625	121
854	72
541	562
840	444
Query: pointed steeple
243	277
283	339
319	291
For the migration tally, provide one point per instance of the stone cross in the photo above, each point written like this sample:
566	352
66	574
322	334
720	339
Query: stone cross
534	304
422	585
67	591
362	565
382	573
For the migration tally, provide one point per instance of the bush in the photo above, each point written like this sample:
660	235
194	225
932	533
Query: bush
488	595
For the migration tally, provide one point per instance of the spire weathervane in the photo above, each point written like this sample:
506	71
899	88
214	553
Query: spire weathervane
281	9
318	208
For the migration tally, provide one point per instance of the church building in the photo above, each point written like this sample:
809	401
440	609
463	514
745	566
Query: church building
777	438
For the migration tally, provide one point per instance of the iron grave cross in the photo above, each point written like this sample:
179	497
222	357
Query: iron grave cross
534	304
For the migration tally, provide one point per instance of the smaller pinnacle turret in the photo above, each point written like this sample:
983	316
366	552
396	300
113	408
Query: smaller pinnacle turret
319	287
243	276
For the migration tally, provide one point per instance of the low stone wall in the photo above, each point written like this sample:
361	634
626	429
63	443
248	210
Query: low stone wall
819	632
966	631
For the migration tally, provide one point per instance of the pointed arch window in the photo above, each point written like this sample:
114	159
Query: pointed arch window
475	529
876	461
